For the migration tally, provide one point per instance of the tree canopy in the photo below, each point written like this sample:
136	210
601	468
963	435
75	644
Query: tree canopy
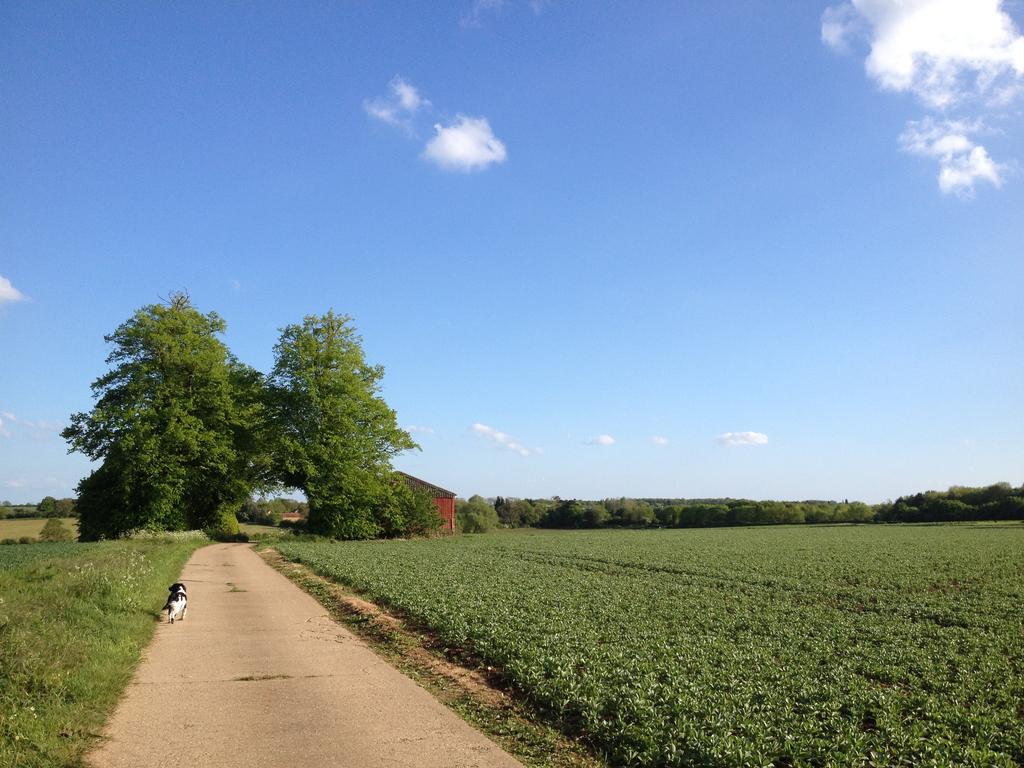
333	434
176	426
185	432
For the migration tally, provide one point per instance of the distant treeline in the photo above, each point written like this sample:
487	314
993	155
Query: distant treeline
270	511
994	502
48	507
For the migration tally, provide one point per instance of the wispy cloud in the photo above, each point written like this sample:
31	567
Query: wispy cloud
965	55
466	145
604	440
659	440
962	162
481	9
8	293
743	438
41	429
419	429
399	106
42	483
503	439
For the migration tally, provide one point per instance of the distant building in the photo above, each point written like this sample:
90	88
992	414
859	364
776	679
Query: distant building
444	500
294	516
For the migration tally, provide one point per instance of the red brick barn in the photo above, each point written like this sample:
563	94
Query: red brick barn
443	500
292	516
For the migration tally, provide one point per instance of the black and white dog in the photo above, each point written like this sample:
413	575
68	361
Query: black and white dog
177	602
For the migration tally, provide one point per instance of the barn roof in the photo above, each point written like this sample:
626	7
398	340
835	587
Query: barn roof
417	484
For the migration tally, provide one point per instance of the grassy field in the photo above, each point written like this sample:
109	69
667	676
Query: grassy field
73	621
16	528
784	646
252	529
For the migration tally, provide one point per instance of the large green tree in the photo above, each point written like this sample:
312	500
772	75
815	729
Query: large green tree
334	436
176	425
476	515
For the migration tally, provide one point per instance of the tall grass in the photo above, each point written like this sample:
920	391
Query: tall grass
73	621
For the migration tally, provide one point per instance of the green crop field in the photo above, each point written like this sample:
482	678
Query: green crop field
786	646
252	529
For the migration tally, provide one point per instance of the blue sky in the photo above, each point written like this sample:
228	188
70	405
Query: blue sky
783	239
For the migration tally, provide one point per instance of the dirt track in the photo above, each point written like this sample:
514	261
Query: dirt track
258	675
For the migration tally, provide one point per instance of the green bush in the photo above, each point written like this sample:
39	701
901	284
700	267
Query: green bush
55	530
227	537
476	515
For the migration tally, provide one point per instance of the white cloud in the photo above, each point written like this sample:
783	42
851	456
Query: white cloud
502	439
940	50
4	431
8	293
961	161
419	429
466	145
743	438
659	440
966	55
602	440
400	106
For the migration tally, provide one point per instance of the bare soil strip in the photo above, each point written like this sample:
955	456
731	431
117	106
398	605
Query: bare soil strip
259	674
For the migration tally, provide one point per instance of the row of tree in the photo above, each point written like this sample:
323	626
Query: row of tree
186	433
270	511
995	502
48	507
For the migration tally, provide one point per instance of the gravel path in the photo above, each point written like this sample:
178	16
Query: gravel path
259	675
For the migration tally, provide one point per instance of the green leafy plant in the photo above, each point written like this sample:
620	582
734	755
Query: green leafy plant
799	646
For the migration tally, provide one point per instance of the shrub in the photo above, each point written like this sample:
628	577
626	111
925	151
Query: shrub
55	530
420	514
476	515
227	537
144	534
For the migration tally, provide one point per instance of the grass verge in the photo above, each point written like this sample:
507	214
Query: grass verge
467	691
74	619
